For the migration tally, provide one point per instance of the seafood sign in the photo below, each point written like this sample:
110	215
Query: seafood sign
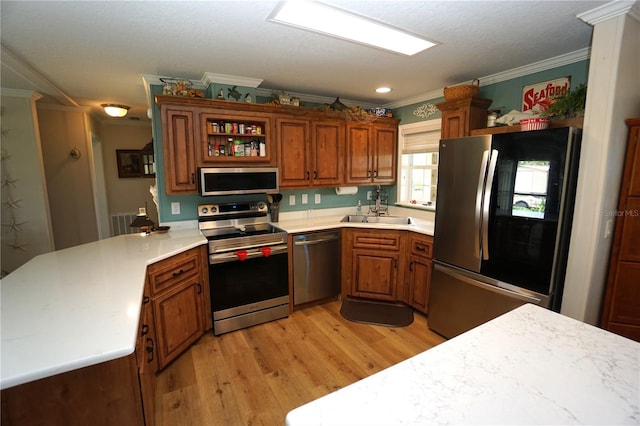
537	97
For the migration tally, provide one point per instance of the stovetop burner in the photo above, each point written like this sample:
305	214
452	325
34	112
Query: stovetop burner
240	231
235	226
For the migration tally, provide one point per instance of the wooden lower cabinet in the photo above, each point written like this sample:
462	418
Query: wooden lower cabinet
179	297
175	312
104	394
418	273
372	263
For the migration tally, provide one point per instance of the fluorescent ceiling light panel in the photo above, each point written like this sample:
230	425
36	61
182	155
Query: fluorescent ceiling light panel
329	20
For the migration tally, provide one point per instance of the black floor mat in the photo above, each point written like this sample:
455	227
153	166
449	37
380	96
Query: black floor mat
378	313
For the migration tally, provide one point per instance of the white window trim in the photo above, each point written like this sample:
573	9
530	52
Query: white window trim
407	129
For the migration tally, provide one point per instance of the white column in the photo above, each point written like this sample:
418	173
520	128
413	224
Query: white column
613	94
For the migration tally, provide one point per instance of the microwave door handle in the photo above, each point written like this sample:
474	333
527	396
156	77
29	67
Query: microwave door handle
487	202
478	209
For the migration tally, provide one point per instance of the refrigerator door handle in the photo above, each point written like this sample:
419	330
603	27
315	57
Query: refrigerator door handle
486	202
479	197
487	286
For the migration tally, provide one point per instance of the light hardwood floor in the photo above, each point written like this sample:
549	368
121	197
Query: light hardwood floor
257	375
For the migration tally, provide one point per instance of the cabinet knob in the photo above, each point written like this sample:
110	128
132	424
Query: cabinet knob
193	178
145	329
315	175
199	288
375	173
307	175
411	266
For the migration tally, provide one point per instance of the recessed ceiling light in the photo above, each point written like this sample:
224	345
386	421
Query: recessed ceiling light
329	20
383	90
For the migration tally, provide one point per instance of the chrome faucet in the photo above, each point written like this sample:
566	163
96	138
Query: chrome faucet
377	208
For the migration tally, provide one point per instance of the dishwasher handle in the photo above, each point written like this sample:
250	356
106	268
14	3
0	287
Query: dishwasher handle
314	242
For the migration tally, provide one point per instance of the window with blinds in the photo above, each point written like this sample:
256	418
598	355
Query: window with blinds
419	163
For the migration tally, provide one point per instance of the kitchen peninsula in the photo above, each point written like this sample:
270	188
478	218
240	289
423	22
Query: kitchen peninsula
529	366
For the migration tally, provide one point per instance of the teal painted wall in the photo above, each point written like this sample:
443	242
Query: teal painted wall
506	96
189	203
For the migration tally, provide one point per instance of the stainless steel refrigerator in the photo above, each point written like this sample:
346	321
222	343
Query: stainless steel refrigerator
503	221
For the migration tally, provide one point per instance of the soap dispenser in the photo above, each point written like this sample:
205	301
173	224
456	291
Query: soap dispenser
359	209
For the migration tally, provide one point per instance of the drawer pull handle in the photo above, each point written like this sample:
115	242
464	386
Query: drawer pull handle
145	329
149	349
307	175
315	174
180	272
420	248
199	288
145	299
411	266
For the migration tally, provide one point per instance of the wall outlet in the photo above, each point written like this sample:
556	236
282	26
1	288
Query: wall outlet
292	200
305	199
317	199
368	195
175	207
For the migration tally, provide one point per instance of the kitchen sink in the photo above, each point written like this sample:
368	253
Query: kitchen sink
394	220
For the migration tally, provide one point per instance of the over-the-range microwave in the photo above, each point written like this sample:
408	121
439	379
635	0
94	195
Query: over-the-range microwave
237	180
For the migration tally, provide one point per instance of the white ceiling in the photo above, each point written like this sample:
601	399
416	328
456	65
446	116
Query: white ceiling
93	52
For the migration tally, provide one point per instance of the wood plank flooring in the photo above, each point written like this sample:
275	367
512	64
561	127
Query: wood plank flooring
257	375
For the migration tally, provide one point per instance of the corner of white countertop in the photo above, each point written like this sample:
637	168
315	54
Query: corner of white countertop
79	306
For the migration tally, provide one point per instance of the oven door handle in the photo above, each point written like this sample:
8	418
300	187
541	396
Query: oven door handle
230	256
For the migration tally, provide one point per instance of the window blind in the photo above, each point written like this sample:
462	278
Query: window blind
424	141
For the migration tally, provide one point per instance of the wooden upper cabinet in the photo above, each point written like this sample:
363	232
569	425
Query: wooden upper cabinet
179	149
293	151
310	152
328	152
384	170
461	116
371	154
621	307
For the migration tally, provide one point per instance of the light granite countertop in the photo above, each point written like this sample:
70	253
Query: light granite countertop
79	306
317	220
529	366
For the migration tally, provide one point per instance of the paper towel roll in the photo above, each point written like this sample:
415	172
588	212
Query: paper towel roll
346	190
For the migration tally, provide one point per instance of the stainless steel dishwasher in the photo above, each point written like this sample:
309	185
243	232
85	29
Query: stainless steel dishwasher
316	266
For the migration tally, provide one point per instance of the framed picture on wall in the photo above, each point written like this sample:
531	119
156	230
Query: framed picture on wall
129	163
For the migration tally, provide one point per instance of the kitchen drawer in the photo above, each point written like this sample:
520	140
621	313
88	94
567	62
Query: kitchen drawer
377	239
421	245
165	274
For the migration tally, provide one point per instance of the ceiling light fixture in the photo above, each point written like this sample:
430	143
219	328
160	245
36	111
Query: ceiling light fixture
329	20
383	90
114	110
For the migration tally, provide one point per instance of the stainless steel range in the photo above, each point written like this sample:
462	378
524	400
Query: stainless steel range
248	265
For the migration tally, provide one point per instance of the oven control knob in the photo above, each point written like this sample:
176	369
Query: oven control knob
214	209
204	210
262	205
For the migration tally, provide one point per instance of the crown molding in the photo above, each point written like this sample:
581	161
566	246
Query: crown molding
33	77
18	93
606	11
70	108
544	65
231	80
